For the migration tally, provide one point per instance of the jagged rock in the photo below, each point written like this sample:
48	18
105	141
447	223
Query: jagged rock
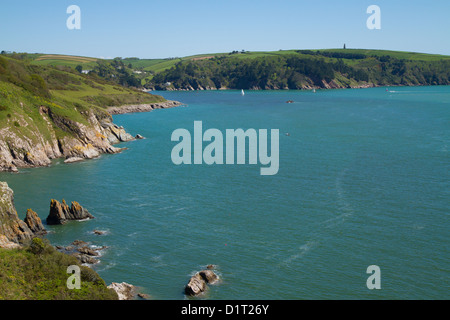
14	229
79	243
120	133
198	282
6	244
60	212
143	107
98	232
79	213
34	223
139	137
88	251
144	296
38	145
84	258
124	290
209	276
196	285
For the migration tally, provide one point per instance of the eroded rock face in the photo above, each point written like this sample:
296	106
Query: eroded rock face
124	290
209	276
195	286
36	146
12	229
33	222
60	212
198	282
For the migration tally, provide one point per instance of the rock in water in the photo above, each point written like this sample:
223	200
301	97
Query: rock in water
196	285
209	276
80	213
11	227
34	223
60	212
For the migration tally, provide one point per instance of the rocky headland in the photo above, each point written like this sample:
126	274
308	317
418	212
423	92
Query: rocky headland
62	138
143	107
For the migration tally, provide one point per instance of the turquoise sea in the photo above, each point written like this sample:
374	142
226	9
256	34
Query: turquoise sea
363	180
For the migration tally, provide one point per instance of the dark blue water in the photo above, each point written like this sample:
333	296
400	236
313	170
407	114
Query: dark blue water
363	180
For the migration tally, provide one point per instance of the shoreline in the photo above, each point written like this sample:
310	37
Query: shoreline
136	108
330	87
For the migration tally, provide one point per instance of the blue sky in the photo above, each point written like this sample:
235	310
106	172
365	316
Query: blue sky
160	29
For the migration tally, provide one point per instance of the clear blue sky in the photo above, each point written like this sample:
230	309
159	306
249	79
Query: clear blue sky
176	28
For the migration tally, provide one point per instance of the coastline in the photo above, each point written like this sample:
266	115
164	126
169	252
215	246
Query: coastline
86	142
16	232
136	108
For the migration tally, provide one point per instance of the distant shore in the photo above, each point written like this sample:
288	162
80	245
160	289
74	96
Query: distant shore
143	107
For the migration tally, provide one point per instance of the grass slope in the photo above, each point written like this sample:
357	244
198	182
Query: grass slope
25	87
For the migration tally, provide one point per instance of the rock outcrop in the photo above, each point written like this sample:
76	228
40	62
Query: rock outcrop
198	282
14	231
60	212
124	290
34	223
60	137
83	251
143	107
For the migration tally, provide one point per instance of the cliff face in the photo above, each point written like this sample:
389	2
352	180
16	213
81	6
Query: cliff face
14	231
28	145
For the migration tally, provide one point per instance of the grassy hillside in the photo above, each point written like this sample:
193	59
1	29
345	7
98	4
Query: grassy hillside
25	87
39	272
350	67
299	69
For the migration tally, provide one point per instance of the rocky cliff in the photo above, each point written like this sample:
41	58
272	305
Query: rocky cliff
14	231
26	145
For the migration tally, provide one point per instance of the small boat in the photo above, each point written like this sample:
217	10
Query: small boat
242	92
290	101
314	90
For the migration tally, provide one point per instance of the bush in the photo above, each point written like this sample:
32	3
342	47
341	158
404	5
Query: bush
37	246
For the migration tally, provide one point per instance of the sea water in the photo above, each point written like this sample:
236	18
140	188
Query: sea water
363	180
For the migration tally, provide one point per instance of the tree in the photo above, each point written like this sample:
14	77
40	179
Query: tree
79	68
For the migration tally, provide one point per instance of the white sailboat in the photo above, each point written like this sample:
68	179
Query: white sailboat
242	92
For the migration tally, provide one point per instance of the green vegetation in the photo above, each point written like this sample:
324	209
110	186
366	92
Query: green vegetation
339	68
26	88
39	272
283	69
